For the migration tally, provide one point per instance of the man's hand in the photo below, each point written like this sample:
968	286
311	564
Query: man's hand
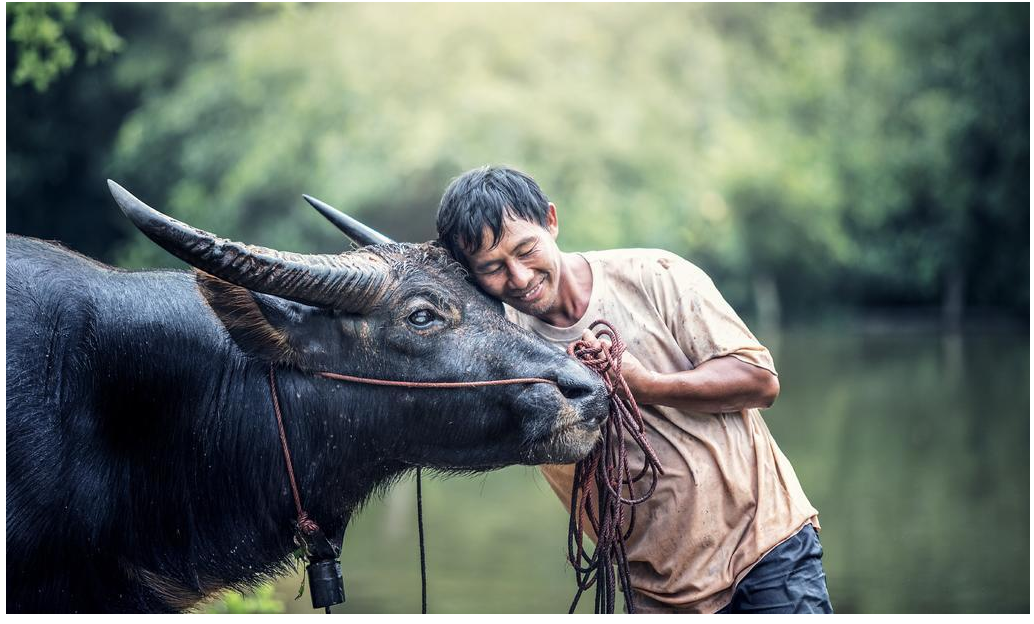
637	376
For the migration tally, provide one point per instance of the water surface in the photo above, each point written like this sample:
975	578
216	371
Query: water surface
913	445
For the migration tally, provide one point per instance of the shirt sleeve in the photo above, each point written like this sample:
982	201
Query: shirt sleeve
704	325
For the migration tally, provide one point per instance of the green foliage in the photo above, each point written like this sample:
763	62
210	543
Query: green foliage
262	600
933	145
46	35
846	155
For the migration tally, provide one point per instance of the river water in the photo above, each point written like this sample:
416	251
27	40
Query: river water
913	445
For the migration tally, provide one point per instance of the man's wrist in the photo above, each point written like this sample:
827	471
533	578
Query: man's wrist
649	387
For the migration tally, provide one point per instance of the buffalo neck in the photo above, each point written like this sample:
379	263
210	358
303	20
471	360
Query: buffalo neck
201	464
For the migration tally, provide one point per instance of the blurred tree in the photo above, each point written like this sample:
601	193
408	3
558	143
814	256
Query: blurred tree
772	163
933	155
60	138
42	33
609	112
808	157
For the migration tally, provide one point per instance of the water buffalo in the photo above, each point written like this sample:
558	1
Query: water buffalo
144	465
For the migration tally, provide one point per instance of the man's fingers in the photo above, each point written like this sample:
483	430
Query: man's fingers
590	337
593	342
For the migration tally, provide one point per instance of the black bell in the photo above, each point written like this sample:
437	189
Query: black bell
325	584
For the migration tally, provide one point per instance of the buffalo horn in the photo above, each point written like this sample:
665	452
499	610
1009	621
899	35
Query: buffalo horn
351	282
355	230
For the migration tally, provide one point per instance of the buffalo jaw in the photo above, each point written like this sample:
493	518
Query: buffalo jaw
575	425
570	441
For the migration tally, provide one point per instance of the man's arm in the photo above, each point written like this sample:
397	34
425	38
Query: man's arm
722	384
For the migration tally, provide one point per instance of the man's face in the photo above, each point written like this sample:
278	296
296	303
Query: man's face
523	270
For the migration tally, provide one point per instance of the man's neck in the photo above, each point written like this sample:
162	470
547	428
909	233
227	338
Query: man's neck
573	294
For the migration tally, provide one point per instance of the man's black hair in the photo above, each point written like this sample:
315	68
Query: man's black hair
481	197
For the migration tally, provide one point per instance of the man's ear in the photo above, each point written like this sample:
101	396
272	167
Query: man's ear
261	325
552	223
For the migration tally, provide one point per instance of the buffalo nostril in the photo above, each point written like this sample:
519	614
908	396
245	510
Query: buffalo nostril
575	388
577	392
586	393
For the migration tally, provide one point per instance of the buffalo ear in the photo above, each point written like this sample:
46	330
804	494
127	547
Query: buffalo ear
258	323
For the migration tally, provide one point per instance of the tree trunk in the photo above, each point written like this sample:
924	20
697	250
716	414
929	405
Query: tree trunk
766	298
954	297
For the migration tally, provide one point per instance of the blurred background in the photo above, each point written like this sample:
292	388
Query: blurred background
855	178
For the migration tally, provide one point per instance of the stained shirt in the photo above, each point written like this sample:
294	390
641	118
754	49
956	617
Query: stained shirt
728	494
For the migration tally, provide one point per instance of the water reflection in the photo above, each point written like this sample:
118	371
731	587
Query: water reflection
914	446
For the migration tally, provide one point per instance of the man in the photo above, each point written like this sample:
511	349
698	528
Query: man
728	528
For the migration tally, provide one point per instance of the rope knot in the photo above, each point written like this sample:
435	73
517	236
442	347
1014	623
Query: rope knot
306	524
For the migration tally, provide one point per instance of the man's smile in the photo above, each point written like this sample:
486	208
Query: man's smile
532	293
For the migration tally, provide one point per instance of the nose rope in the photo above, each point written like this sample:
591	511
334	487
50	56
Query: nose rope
606	468
436	384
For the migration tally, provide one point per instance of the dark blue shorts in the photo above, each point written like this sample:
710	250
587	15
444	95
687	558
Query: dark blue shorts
789	579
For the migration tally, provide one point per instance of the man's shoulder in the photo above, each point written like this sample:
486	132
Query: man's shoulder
654	261
630	253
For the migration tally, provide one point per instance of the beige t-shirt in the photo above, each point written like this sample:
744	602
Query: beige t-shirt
728	495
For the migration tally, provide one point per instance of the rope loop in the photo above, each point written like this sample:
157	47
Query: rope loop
605	475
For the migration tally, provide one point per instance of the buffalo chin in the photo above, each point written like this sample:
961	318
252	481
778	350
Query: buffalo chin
566	446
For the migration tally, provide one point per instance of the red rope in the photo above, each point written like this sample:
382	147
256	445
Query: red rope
305	524
435	384
607	468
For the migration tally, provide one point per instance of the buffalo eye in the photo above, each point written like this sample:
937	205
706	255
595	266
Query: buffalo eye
422	318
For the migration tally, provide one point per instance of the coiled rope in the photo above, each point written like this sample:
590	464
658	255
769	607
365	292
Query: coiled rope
605	474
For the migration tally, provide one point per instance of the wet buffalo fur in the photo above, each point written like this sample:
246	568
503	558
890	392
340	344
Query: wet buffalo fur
144	469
